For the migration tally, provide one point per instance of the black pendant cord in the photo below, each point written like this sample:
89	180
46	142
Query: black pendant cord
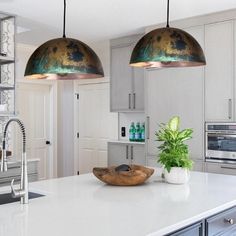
168	12
64	20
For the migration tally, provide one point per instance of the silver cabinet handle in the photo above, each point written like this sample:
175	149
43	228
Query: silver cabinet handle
227	167
127	152
129	100
132	152
230	221
230	108
147	127
134	100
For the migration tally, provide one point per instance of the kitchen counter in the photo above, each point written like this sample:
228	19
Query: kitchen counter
127	142
82	205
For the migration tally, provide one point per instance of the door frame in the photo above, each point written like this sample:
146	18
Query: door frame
52	169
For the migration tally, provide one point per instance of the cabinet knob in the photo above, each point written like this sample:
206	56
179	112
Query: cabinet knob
230	221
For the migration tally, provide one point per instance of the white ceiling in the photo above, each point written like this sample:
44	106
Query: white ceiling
97	20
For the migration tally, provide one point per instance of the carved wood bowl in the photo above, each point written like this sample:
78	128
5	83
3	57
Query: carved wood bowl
123	175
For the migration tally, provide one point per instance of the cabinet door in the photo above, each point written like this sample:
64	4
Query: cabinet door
138	89
218	168
222	223
193	230
219	71
176	92
118	154
198	165
137	154
121	79
172	92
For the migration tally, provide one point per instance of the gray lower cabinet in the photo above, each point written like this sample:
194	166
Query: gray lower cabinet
223	223
123	153
192	230
14	172
220	224
220	168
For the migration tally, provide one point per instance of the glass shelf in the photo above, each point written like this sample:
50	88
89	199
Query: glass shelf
6	60
6	87
7	114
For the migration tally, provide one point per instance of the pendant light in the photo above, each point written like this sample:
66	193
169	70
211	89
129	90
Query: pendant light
167	47
64	58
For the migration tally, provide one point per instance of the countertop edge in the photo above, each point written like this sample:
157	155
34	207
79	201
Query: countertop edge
185	223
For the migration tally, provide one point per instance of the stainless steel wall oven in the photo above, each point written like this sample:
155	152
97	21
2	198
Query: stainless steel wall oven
220	142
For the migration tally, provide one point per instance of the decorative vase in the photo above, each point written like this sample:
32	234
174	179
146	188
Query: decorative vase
177	175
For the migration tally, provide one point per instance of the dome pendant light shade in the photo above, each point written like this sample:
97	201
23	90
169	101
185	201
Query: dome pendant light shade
64	58
167	47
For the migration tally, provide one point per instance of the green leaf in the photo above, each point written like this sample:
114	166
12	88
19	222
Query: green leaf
174	123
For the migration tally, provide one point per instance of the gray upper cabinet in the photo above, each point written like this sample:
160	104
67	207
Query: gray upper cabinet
127	83
138	85
219	71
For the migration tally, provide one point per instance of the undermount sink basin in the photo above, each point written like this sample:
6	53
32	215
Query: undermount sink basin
6	198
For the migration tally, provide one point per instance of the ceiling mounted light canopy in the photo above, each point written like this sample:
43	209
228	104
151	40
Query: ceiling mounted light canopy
167	47
64	59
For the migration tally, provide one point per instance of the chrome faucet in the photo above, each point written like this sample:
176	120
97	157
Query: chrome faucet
22	192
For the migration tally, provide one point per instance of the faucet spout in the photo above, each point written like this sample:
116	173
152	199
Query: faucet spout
23	191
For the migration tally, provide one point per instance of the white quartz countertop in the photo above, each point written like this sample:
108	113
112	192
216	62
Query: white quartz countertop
126	142
84	206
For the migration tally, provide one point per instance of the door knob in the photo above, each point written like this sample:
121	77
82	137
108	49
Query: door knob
48	142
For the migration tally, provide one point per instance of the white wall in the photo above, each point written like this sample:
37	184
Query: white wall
65	119
23	52
102	49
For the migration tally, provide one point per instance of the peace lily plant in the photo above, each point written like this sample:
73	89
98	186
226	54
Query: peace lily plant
174	153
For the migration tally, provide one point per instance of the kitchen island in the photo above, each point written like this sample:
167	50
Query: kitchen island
84	206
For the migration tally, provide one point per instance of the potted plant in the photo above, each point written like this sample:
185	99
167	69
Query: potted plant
174	153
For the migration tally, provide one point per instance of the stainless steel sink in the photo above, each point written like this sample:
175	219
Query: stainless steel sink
6	198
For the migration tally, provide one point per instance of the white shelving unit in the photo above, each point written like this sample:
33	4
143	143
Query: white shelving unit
7	70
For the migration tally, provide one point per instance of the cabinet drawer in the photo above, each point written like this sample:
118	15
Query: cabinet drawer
221	223
218	168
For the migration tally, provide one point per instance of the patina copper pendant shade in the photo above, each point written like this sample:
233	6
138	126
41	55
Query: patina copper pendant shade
167	47
64	58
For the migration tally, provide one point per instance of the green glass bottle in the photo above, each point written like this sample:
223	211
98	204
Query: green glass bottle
137	132
143	132
132	132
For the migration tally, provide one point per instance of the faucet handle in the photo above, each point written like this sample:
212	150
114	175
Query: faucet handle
16	192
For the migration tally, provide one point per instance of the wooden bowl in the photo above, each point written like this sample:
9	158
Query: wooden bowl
134	176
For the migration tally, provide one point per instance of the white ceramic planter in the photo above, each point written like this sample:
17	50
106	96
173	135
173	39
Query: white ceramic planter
177	175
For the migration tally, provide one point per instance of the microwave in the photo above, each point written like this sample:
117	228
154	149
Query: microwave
220	142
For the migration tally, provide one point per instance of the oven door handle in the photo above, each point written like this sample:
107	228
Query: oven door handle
228	167
221	135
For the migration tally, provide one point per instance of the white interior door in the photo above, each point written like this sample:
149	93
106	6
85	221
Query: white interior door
33	106
95	124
